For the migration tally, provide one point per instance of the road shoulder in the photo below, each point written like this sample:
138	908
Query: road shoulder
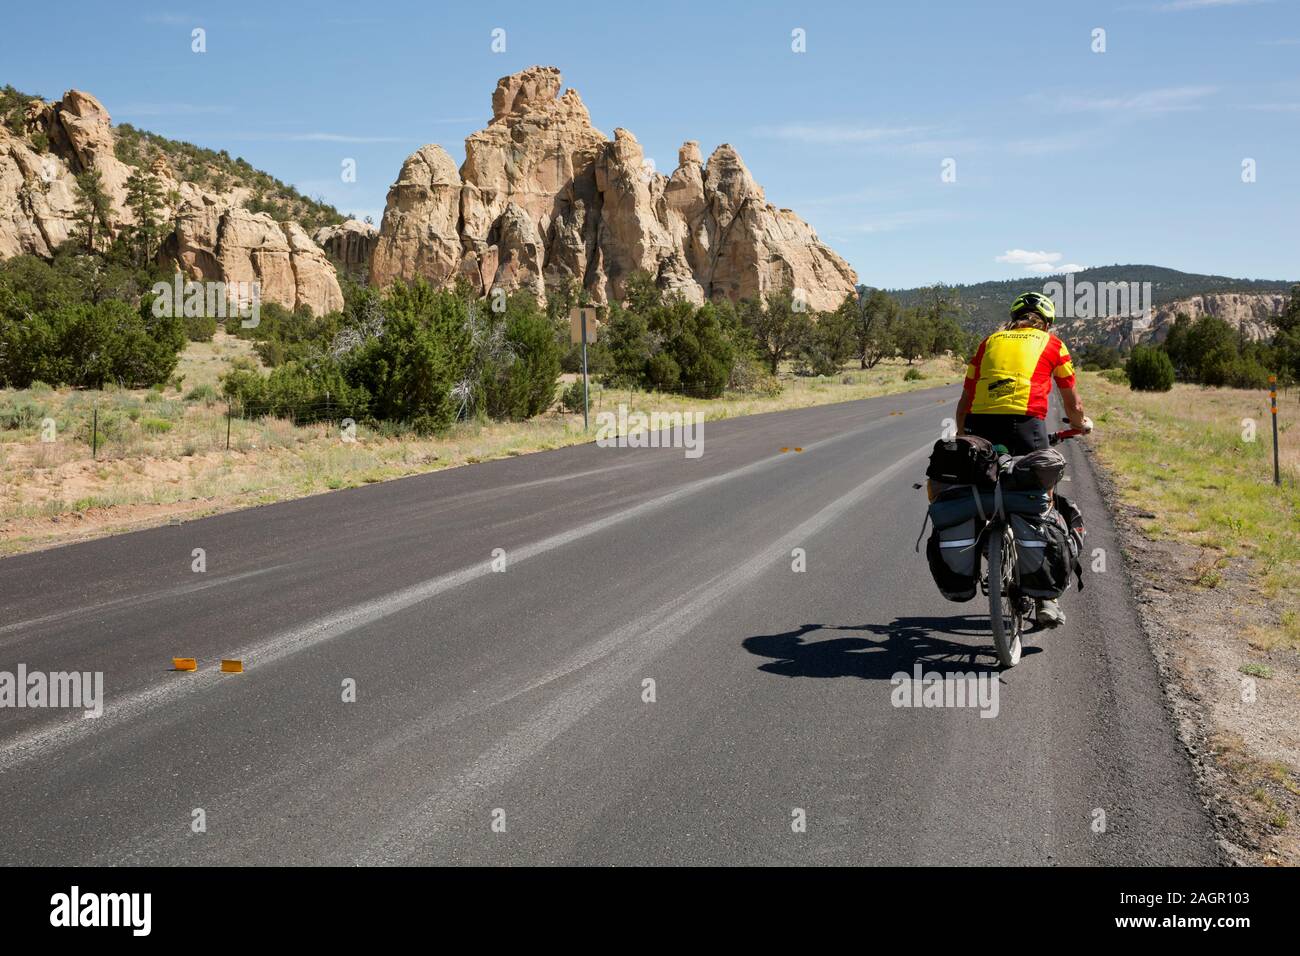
1222	717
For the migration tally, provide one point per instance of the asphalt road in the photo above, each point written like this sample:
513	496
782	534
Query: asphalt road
501	717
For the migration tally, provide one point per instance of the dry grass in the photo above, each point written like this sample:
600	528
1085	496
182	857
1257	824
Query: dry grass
163	452
1220	567
1193	459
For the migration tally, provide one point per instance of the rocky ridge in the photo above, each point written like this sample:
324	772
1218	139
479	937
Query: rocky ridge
215	238
544	199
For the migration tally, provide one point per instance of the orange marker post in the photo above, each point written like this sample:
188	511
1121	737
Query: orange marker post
1272	394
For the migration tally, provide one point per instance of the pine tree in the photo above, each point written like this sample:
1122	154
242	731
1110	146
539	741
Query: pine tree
144	197
92	207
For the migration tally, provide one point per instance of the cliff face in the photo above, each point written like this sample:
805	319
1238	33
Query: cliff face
543	198
1248	312
215	239
350	243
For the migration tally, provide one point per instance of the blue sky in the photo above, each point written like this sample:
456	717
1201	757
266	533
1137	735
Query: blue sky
1063	156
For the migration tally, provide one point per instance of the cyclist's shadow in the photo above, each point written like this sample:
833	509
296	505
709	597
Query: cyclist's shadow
900	644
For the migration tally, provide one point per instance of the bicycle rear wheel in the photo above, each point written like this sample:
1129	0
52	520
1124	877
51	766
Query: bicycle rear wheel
1003	613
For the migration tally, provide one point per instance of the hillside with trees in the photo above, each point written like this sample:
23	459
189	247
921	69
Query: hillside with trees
983	305
214	170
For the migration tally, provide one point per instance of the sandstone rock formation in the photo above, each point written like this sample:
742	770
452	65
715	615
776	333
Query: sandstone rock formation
350	243
543	198
216	239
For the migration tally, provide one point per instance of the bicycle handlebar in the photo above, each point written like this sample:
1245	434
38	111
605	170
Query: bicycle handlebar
1060	436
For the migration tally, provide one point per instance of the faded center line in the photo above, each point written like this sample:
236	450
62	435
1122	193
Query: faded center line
284	644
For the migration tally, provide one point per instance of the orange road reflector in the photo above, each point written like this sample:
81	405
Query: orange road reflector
232	667
798	449
184	664
784	450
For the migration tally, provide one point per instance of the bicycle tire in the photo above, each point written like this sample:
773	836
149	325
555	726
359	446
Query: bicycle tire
1003	614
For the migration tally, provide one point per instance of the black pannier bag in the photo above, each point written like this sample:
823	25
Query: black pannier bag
1046	553
1040	469
954	559
1071	513
963	460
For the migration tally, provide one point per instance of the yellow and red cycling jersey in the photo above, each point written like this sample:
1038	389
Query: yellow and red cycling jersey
1012	372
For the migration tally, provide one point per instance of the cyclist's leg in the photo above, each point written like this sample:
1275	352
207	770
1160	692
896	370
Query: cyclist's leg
1031	435
995	428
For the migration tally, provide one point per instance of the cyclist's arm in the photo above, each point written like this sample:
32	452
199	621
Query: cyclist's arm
963	409
1073	404
968	389
1063	373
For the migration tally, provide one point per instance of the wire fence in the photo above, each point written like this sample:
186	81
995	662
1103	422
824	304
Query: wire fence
117	428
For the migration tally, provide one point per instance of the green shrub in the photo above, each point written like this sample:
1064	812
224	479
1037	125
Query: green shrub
155	426
913	375
1116	376
202	393
75	321
518	381
200	328
670	346
23	416
748	374
411	369
1150	370
572	398
297	392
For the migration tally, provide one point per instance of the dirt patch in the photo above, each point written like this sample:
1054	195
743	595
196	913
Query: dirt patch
1235	699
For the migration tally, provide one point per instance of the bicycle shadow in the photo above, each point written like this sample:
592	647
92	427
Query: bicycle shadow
902	643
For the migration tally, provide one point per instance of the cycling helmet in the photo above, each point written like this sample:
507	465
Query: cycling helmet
1035	302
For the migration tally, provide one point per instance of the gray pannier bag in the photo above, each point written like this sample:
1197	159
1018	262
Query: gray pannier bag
1046	553
1038	469
954	559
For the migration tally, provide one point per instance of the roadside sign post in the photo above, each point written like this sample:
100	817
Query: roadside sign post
1272	394
582	328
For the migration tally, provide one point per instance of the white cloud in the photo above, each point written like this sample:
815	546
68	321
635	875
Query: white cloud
1166	100
318	138
1175	6
899	220
1044	269
170	109
874	194
837	133
1038	263
1023	257
340	138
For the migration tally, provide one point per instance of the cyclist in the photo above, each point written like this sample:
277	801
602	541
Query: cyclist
1008	384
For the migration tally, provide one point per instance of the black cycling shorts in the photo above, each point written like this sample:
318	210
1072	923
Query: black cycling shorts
1021	434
